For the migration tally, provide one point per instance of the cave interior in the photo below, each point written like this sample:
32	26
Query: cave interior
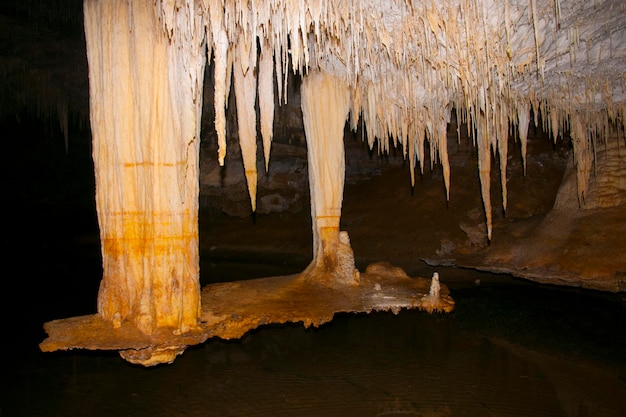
546	225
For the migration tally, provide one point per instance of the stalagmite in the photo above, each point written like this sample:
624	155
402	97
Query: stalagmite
433	297
435	287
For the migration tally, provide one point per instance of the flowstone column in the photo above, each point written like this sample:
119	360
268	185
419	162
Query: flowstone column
325	104
145	102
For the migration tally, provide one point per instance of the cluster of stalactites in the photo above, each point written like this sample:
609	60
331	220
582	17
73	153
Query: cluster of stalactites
408	64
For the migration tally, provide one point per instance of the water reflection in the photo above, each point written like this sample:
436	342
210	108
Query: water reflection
509	349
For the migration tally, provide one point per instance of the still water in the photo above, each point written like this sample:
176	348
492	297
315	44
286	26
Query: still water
510	348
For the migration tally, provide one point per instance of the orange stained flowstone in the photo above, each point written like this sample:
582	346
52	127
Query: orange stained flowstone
231	309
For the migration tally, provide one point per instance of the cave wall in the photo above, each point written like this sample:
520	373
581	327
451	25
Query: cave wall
580	241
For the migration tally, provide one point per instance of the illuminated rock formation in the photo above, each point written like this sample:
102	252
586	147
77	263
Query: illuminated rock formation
401	67
145	114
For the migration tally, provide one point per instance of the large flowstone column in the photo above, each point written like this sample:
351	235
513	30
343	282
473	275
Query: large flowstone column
145	102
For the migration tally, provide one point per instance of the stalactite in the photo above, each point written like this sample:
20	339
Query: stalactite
523	119
245	94
484	169
266	99
503	152
220	84
406	61
582	155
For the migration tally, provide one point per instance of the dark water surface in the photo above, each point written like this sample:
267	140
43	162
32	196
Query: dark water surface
510	348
